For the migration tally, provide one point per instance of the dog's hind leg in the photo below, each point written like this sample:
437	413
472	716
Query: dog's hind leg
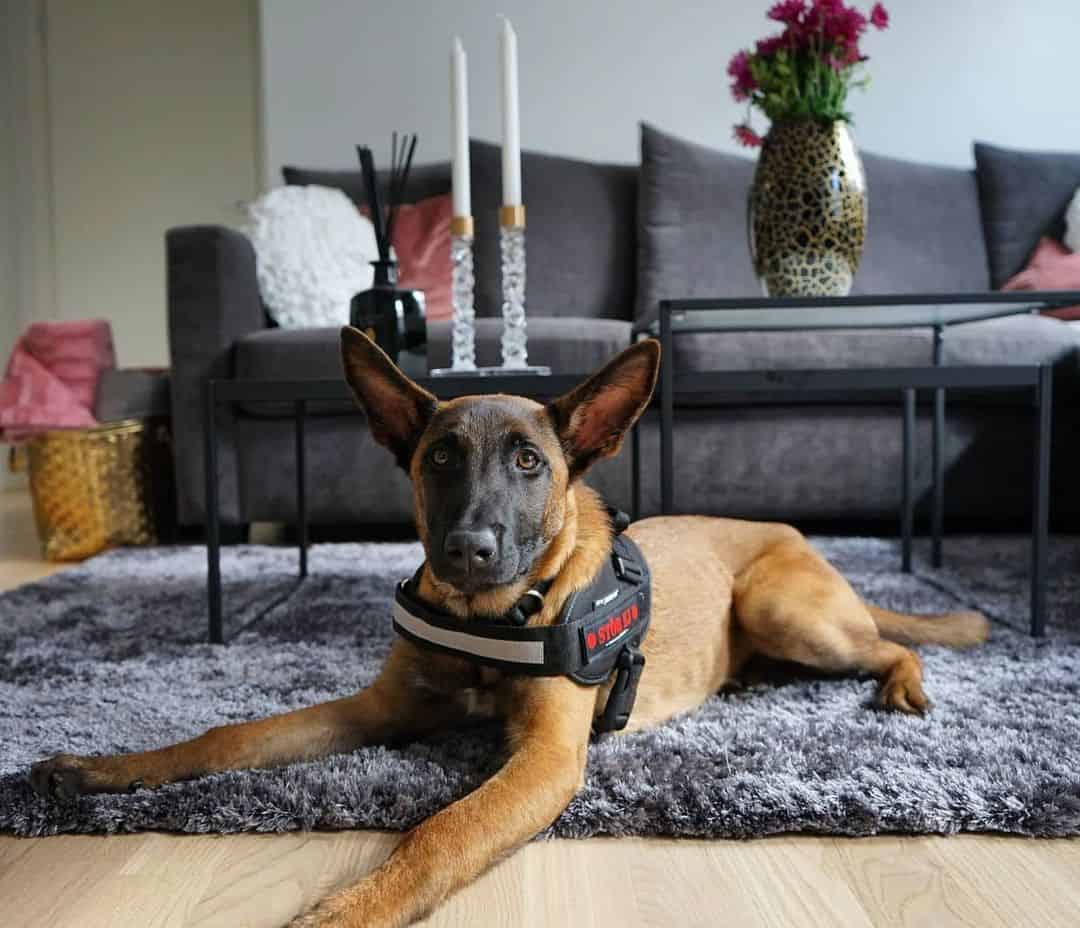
388	710
795	606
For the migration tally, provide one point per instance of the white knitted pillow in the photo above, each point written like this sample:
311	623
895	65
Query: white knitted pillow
1072	223
313	250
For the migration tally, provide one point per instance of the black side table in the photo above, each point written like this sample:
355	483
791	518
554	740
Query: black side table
937	312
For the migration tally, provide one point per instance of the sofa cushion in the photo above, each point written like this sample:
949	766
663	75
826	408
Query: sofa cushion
924	231
793	350
580	238
567	346
691	223
1027	339
1023	196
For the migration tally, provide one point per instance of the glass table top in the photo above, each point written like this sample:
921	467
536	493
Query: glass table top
847	313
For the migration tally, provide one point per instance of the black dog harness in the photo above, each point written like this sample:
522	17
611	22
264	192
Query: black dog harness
598	633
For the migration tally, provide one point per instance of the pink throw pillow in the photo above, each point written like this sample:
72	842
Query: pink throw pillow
1051	267
422	245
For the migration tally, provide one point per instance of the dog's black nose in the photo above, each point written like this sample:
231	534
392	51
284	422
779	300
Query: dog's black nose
468	549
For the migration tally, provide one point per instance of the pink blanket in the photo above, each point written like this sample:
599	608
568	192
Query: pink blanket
52	377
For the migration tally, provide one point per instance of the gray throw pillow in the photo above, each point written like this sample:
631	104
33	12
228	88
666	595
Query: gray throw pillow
579	240
425	180
691	223
1023	196
924	233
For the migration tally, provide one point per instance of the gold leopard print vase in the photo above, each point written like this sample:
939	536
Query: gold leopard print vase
807	210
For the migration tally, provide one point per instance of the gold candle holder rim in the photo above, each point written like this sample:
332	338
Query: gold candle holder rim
462	225
512	217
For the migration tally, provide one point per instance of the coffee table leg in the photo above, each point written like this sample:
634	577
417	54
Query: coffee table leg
1040	528
907	516
301	488
937	528
667	414
213	527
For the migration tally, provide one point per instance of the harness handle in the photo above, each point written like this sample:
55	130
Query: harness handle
620	701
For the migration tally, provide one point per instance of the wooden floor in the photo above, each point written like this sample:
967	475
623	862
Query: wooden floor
252	881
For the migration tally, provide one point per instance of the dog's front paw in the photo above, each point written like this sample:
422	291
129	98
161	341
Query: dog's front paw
903	695
329	913
61	777
362	905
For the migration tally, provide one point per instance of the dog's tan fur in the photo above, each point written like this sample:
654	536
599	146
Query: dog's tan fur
723	591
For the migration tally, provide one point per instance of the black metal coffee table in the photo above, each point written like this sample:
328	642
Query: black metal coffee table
937	312
722	387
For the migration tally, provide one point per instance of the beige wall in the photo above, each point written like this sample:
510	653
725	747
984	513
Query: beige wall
26	283
152	122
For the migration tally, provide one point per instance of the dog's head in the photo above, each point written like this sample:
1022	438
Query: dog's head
491	473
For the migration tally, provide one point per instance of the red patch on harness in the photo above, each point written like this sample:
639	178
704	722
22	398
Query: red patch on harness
608	630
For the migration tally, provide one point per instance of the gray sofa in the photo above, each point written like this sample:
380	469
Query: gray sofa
605	242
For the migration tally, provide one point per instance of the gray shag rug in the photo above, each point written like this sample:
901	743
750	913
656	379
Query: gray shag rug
109	657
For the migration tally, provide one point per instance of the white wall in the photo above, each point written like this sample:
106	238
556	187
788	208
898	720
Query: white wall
340	71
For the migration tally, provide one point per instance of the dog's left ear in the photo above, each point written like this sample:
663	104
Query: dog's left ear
592	419
398	410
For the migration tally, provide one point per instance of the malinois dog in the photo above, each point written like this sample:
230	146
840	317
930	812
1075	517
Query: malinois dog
500	509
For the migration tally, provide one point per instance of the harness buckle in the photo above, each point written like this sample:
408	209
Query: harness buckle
620	701
626	569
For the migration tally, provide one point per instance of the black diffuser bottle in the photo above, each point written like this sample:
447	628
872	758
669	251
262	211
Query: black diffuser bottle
393	318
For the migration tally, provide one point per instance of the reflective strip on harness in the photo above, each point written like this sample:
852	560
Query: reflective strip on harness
516	652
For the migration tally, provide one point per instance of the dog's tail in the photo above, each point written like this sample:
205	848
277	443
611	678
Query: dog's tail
953	629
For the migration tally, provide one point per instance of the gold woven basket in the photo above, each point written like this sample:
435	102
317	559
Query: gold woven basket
99	487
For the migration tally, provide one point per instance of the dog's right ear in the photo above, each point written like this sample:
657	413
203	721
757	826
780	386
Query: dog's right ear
397	409
592	419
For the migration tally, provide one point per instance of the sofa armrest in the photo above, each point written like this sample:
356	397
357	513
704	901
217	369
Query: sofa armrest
213	299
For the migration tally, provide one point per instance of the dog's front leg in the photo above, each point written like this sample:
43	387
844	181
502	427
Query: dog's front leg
390	709
548	729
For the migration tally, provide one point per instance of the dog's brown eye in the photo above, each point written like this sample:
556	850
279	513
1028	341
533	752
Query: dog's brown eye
528	460
440	457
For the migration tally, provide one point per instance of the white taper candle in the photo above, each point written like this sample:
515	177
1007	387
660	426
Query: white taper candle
459	130
511	122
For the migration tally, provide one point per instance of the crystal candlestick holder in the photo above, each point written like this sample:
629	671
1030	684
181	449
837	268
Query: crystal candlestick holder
462	283
462	286
515	353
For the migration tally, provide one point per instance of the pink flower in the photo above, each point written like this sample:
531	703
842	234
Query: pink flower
787	11
771	45
743	81
879	17
846	58
845	26
744	135
739	66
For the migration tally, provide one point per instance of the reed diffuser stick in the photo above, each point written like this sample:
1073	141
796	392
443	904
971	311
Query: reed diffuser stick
367	166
